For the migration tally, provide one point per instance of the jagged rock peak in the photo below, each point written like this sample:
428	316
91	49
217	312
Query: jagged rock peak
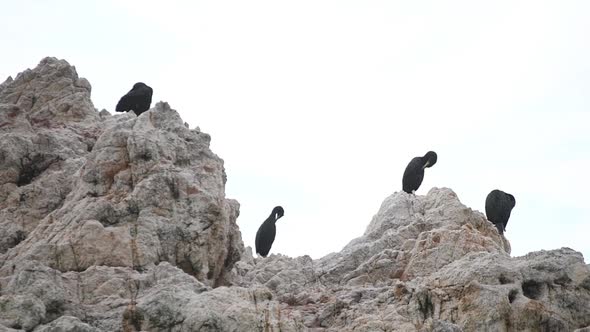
143	189
425	263
50	93
120	223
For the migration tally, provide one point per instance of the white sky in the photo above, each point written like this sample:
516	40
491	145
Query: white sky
318	106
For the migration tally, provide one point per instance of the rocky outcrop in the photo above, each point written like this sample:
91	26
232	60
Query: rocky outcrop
47	126
428	263
120	223
81	189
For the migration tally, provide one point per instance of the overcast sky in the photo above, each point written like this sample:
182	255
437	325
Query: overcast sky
318	106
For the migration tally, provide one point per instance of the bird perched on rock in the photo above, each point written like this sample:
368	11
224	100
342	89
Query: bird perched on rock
414	173
137	100
498	207
267	231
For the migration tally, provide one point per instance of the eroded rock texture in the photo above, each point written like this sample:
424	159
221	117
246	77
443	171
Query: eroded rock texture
120	223
427	263
81	190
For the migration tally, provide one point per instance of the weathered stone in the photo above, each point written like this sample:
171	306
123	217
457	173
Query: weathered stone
120	223
428	263
21	311
8	329
66	324
47	123
143	190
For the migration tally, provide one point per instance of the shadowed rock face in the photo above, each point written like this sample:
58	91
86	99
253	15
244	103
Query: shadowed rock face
47	126
120	223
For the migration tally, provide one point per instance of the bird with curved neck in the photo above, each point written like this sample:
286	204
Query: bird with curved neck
267	231
414	173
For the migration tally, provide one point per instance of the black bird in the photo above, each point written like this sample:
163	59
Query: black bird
137	100
498	207
266	233
414	173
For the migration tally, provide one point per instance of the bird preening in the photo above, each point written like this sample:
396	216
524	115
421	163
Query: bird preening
414	173
498	203
498	207
137	100
267	231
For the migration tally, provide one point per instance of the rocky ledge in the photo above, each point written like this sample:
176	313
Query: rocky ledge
120	223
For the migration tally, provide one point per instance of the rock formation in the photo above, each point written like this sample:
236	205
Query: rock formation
120	223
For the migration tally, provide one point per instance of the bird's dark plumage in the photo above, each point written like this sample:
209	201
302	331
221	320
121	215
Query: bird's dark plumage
267	231
137	100
414	173
498	207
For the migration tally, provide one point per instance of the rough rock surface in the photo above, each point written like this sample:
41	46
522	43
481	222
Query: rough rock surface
120	223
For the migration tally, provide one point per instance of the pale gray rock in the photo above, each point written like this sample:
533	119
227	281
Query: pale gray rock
120	223
8	329
148	190
428	263
66	324
104	114
21	311
413	236
47	124
5	83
